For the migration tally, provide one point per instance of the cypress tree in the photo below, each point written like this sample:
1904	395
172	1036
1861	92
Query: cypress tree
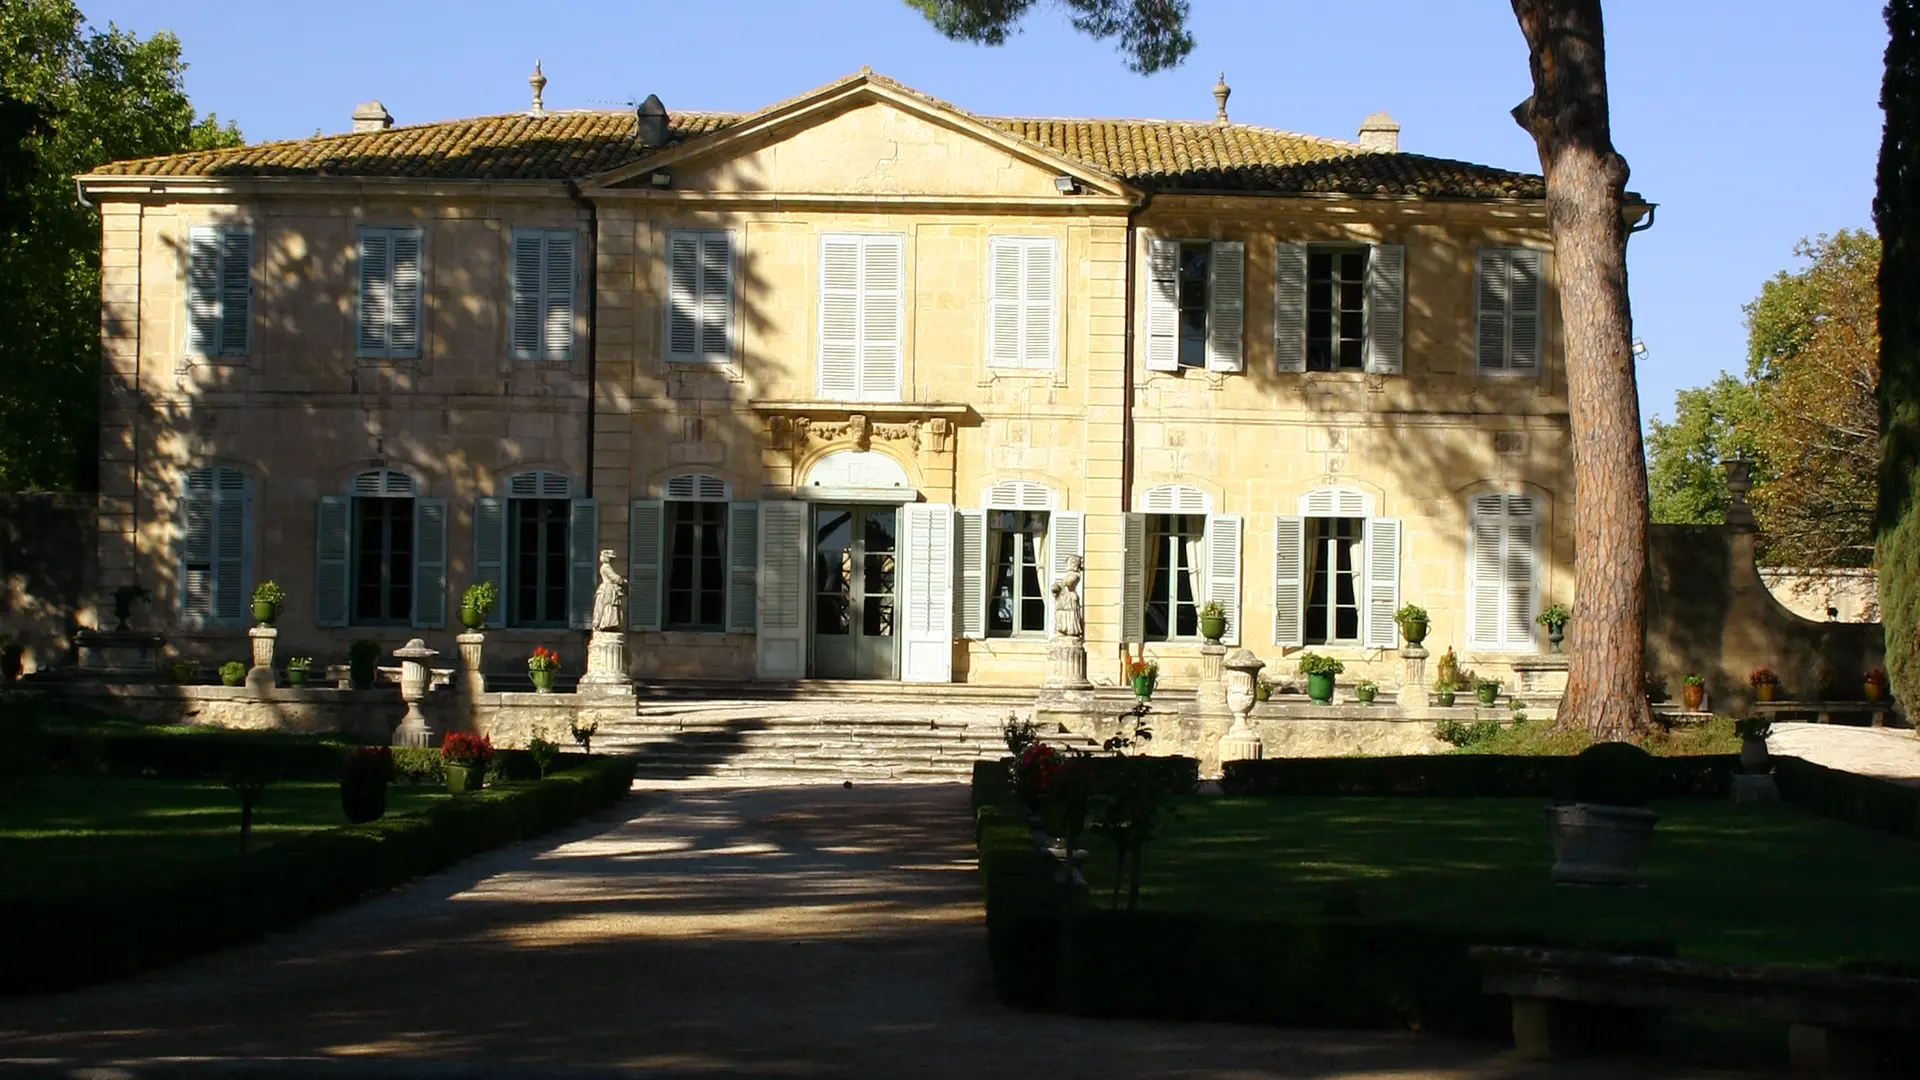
1896	212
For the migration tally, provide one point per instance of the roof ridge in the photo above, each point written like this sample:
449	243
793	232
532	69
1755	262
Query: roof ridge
1206	124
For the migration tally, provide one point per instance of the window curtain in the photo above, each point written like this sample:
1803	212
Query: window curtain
1156	543
1001	597
1315	540
1193	533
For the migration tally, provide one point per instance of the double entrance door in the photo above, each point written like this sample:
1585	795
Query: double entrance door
855	577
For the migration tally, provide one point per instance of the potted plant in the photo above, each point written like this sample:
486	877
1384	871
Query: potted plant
540	668
1486	691
12	660
267	598
1753	732
1876	684
1555	619
477	603
123	598
1412	620
1143	674
362	658
185	671
1262	688
1444	687
363	783
465	756
1693	690
1320	671
1366	691
1601	838
233	673
297	667
1032	771
1213	621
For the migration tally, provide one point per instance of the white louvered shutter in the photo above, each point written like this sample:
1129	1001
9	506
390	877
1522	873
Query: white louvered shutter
1289	580
700	297
583	562
1383	582
926	643
236	291
203	292
1066	537
557	290
403	312
683	296
429	563
332	581
1491	273
1133	579
780	651
1519	574
1524	292
1226	305
1041	295
1163	305
716	297
1006	303
527	300
197	564
490	553
1485	571
882	317
743	565
376	276
1386	308
1289	307
646	562
970	576
1222	579
839	318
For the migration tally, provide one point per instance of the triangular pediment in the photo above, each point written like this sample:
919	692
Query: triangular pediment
863	135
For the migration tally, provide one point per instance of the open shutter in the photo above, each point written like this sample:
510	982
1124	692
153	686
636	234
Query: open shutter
743	564
583	558
527	300
236	291
197	567
646	560
1066	537
1386	306
1519	574
780	651
556	316
1133	580
429	563
203	292
1163	305
1040	295
970	579
1490	301
1289	580
926	646
376	281
1222	579
1226	303
882	304
1290	307
403	312
716	297
490	553
333	521
230	584
1383	582
1005	303
1524	292
1486	562
839	318
683	297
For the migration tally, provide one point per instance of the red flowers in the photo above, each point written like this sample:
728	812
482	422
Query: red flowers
543	659
1035	770
461	748
1877	677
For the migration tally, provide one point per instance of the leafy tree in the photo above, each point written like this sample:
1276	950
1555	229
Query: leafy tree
1896	211
1567	116
1711	424
72	97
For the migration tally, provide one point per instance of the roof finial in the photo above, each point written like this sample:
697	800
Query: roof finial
1220	92
539	84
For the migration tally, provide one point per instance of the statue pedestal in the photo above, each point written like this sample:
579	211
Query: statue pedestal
1413	684
471	644
131	654
1066	665
260	675
414	679
606	665
1211	696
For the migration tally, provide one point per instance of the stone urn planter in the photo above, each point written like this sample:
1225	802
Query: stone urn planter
1753	754
1597	844
472	617
1556	633
1213	628
1415	631
265	612
462	779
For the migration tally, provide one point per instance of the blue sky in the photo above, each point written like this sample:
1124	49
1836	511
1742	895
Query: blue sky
1751	122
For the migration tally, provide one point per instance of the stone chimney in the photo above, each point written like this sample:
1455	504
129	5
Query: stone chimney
371	116
1379	132
1221	91
651	119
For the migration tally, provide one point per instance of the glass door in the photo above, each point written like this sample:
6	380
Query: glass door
855	565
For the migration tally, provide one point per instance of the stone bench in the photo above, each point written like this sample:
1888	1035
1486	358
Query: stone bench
1823	712
1568	1002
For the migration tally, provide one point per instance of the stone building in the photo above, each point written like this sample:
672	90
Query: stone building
845	381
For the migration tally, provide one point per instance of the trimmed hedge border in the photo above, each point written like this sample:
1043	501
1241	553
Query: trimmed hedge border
53	943
1461	776
1866	801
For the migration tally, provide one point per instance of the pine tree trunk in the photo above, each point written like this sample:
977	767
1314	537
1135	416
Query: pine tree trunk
1586	202
1898	218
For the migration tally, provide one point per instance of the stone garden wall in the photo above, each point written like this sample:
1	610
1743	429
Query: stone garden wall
48	585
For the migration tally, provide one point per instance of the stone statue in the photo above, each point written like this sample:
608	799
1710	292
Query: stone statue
1066	603
610	598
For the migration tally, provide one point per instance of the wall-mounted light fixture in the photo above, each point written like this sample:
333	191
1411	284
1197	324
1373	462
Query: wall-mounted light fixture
660	179
1066	185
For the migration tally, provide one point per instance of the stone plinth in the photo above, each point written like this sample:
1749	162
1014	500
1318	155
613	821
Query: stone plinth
1413	683
1211	695
606	665
415	679
260	675
1066	665
1755	788
109	653
1543	674
471	645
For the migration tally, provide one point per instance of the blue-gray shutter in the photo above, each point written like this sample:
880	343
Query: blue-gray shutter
743	570
333	522
1386	308
490	553
203	292
236	292
429	563
584	563
646	562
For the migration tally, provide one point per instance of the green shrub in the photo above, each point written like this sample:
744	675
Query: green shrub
1866	801
1312	663
1460	775
1615	774
233	673
1466	736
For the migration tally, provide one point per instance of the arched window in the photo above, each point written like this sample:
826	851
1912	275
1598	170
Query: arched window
388	483
538	546
1180	556
1175	499
539	484
1020	495
1336	572
1336	502
381	556
216	533
700	487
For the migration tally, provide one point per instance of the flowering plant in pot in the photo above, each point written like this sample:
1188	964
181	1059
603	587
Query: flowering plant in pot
1876	684
267	598
1412	620
1213	621
1366	691
1486	691
1555	619
1444	688
1263	687
1693	691
1320	671
541	667
363	783
363	656
1143	674
233	673
297	668
466	756
477	603
1033	770
1764	682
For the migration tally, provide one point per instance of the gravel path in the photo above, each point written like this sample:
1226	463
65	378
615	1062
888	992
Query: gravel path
818	932
1889	753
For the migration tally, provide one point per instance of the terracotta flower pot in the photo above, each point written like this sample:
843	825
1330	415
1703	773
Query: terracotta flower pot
1875	691
1693	696
1764	691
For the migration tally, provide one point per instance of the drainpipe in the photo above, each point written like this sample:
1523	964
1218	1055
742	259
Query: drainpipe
1126	380
593	317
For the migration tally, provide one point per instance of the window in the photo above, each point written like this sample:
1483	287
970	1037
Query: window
537	569
219	291
389	293
694	558
380	554
862	301
1174	559
1503	578
543	294
1195	304
538	546
700	297
382	561
1336	309
215	527
1508	304
1021	293
696	566
1333	569
1017	596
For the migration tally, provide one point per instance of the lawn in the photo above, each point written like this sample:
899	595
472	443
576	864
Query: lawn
1740	883
74	833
